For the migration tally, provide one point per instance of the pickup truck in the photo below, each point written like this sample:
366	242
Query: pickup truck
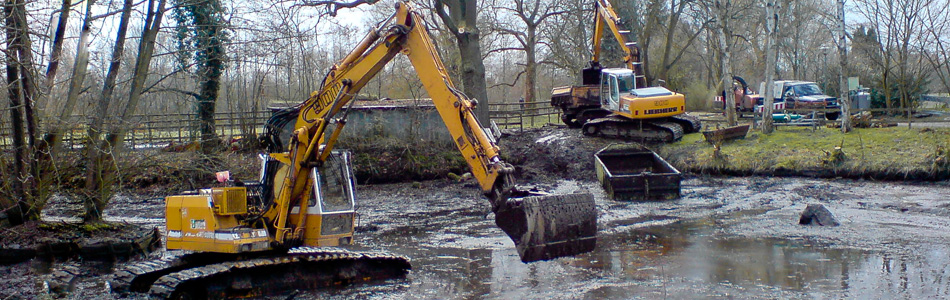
805	95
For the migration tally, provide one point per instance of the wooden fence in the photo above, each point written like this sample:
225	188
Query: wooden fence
522	115
156	131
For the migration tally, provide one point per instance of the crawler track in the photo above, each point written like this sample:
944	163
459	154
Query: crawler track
299	268
690	124
660	130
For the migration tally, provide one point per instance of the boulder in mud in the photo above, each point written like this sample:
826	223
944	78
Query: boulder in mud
817	214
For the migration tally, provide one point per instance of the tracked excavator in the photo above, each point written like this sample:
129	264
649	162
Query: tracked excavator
281	231
616	102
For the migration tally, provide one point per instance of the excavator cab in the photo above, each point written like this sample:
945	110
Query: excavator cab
615	83
331	211
622	96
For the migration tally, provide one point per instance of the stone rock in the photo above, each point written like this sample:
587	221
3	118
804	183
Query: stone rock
817	214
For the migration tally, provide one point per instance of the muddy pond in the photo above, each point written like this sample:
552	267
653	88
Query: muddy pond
724	238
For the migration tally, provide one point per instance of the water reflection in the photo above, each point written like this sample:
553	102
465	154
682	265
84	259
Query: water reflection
696	259
700	253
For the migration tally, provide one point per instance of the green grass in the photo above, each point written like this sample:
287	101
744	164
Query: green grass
873	152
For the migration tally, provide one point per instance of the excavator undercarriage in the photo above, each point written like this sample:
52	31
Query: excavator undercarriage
663	130
204	276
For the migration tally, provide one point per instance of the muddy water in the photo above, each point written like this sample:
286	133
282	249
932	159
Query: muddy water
725	238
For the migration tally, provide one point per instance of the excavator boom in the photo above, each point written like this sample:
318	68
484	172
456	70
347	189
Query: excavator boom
605	18
531	222
305	198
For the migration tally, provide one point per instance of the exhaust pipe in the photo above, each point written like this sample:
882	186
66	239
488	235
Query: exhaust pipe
549	226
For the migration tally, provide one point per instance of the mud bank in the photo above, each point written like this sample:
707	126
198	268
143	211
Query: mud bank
81	254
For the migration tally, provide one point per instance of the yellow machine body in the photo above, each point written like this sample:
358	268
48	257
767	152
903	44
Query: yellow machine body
195	222
210	220
653	107
619	94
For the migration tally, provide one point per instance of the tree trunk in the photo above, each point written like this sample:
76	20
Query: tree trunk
843	100
25	205
53	69
55	135
725	37
212	56
771	26
672	23
99	163
531	67
461	21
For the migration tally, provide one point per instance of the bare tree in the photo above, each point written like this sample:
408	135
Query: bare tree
100	179
80	68
898	25
52	69
569	41
842	42
98	191
529	16
936	48
771	26
672	50
25	203
460	17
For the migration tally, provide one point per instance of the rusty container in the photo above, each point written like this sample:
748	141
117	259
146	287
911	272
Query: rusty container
636	174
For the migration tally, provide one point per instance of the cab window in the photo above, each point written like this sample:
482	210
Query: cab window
334	185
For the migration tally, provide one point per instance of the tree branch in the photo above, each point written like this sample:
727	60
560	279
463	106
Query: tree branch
189	93
513	83
446	18
334	6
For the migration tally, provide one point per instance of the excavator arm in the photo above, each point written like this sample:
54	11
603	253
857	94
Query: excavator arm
542	227
606	18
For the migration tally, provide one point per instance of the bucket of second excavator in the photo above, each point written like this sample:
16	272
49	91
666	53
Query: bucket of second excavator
550	226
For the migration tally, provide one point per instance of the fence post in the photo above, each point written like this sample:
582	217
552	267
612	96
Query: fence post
521	120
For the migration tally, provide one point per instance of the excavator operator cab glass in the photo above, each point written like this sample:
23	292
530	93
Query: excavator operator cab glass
612	101
334	191
626	82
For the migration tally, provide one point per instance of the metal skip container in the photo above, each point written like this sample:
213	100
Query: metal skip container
634	173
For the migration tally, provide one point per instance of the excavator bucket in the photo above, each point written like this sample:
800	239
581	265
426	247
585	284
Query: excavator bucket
550	226
591	74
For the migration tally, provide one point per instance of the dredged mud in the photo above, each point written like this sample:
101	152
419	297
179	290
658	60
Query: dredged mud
727	237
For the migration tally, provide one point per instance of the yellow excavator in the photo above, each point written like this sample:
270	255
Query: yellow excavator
616	102
280	231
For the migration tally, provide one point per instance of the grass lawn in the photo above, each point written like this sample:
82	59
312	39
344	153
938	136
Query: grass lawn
895	152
